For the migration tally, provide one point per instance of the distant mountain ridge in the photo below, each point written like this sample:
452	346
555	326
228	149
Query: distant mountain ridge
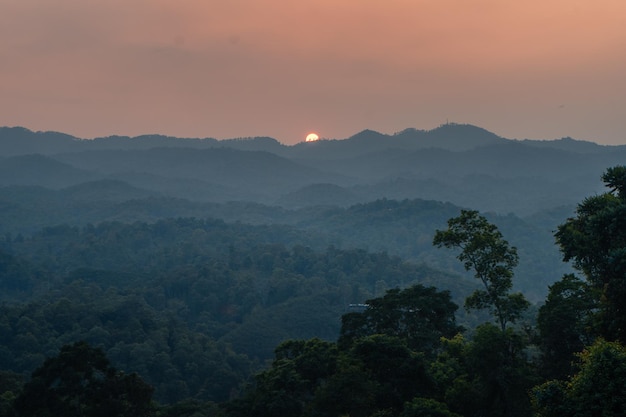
459	163
36	169
451	136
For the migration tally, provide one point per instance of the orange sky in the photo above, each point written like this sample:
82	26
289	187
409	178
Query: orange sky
235	68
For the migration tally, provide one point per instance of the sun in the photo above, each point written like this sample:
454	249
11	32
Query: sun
312	137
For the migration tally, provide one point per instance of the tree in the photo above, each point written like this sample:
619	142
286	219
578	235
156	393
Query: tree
10	384
419	315
565	324
399	373
315	359
288	386
488	376
484	250
596	390
595	241
348	392
375	376
192	408
426	407
81	382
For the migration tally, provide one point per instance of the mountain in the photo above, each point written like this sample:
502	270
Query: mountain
41	170
21	141
319	195
451	136
251	175
185	188
572	145
104	190
401	228
463	164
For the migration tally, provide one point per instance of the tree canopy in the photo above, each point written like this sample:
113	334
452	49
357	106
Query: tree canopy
81	382
230	320
419	315
595	241
597	389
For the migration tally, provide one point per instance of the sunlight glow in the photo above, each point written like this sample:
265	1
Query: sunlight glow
312	137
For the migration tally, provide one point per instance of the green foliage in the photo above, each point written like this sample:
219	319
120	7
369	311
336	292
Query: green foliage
498	359
177	360
566	325
399	227
484	251
549	400
378	369
349	391
426	407
298	369
190	408
194	306
615	179
486	376
10	385
595	240
399	372
419	315
576	312
315	359
596	390
377	374
378	366
17	278
80	382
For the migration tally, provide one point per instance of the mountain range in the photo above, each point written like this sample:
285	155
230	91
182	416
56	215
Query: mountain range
463	164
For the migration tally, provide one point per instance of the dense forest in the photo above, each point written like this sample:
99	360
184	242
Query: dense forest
136	288
117	300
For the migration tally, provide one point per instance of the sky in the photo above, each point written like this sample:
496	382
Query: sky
537	69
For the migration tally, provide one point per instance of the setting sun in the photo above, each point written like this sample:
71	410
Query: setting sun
312	137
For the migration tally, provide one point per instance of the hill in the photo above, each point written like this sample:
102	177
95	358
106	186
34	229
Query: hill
39	170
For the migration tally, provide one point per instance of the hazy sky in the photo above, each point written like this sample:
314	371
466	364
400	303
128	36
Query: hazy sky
283	68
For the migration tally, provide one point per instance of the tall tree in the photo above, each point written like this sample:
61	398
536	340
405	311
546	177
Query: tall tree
484	250
595	241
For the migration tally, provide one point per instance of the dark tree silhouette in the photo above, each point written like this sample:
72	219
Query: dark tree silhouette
81	382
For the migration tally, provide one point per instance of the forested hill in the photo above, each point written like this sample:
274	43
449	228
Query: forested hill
194	306
159	293
462	164
401	228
